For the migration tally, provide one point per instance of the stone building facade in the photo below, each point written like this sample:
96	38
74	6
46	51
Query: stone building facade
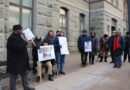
71	16
108	15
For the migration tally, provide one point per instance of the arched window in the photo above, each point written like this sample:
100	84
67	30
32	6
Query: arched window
20	12
63	19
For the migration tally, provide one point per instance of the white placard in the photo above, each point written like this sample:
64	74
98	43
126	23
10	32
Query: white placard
46	53
88	46
64	46
28	34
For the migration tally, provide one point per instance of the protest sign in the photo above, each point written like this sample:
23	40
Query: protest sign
64	47
28	34
46	53
88	46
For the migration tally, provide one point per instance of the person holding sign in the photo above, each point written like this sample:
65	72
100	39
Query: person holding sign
81	46
60	58
38	42
17	58
94	48
46	63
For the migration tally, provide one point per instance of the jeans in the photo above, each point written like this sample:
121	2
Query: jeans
60	60
13	79
117	61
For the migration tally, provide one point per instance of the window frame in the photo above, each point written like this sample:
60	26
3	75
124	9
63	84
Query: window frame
21	7
65	29
83	17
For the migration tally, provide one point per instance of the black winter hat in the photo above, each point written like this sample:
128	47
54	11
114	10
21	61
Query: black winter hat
17	27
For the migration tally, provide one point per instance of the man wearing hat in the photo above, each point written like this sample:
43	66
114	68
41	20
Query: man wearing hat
17	58
117	48
81	46
110	42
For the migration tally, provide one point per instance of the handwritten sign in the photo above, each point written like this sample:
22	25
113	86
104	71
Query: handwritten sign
28	34
64	46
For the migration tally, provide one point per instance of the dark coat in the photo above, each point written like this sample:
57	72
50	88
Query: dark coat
81	41
94	46
17	56
56	44
119	51
126	47
35	48
49	39
110	42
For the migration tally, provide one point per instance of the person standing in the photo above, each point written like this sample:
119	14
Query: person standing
103	48
50	37
38	42
94	48
110	43
81	46
17	58
118	46
60	59
126	48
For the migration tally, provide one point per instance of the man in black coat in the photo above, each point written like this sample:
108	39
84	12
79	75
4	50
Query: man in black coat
17	58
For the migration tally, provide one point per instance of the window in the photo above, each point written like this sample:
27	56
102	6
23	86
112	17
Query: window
116	3
82	22
111	1
21	13
63	19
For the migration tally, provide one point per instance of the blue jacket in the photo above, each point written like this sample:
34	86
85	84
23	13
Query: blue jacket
81	40
110	42
56	44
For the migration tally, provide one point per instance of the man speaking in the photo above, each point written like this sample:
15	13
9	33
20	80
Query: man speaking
17	58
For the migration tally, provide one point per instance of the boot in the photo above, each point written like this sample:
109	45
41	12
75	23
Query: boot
50	78
38	79
101	59
29	88
105	58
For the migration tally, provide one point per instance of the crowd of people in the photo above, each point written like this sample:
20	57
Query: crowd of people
18	61
116	44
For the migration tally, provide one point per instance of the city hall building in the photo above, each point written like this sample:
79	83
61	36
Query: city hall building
71	16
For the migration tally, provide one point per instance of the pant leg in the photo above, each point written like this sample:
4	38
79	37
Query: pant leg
90	59
129	56
85	61
115	60
82	58
93	57
58	60
49	65
39	68
125	56
62	63
24	80
13	79
119	61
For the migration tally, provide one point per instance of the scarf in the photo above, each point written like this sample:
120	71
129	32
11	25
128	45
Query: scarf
52	35
116	43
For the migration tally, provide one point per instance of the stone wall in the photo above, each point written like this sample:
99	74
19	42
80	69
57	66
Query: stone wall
74	10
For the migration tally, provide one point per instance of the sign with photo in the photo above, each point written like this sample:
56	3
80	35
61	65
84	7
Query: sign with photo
88	46
64	46
28	34
46	53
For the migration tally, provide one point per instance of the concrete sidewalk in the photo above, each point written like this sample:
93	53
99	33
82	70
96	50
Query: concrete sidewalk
100	76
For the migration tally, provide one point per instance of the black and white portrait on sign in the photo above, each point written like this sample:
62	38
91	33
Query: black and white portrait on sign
46	53
88	46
